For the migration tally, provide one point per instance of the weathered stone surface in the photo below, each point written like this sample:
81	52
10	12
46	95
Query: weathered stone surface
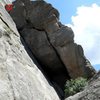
61	37
18	13
76	64
68	54
44	52
20	79
91	92
37	19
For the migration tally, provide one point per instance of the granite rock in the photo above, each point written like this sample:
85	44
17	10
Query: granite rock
20	78
53	43
46	55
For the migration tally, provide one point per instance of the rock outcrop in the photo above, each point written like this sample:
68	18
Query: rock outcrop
20	78
51	42
91	92
38	41
51	49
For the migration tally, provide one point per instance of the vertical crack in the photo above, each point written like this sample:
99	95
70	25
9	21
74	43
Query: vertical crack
7	26
57	54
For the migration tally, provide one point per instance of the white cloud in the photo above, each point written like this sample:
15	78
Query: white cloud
86	26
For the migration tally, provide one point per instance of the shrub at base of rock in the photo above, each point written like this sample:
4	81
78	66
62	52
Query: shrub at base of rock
74	86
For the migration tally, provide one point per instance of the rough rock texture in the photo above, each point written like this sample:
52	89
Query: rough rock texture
46	55
51	42
20	13
91	92
20	79
38	42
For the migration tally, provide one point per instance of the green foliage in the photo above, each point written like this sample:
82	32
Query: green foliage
74	86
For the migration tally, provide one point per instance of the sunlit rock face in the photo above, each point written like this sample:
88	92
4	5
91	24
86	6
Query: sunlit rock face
20	78
50	42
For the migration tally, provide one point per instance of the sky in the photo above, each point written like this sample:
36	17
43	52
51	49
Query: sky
83	16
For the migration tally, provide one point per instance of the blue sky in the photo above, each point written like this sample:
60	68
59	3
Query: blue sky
83	17
67	8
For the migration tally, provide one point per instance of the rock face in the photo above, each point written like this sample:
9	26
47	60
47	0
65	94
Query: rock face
51	42
39	43
20	78
46	55
91	92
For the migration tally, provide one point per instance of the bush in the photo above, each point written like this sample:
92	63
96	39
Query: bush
74	86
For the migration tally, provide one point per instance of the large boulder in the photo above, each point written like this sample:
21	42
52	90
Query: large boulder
20	78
